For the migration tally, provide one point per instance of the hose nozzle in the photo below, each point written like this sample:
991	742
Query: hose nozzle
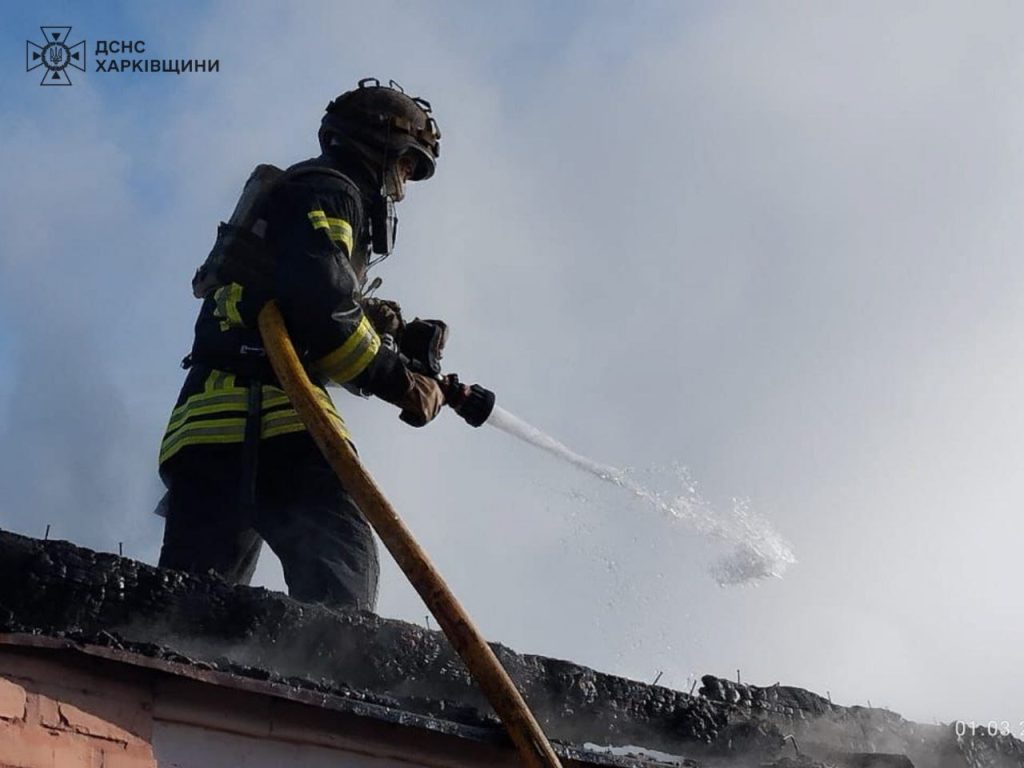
472	402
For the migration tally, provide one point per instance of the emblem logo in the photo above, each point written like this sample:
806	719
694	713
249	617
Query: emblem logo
56	55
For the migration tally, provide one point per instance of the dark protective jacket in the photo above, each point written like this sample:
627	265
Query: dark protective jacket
315	223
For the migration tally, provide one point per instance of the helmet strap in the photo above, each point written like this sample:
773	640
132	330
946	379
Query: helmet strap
383	229
383	219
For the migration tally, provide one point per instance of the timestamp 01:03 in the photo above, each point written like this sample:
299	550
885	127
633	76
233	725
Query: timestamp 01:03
990	728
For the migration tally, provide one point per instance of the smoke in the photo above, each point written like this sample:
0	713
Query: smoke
776	240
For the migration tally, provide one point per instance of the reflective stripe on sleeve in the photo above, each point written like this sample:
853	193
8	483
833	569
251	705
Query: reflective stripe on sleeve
351	358
339	230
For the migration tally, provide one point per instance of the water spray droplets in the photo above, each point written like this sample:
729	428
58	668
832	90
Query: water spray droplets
756	550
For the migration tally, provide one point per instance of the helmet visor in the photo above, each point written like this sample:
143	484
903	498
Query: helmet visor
425	163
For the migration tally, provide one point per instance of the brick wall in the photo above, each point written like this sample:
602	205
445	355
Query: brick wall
38	730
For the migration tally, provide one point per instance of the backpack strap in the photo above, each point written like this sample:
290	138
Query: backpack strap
307	170
240	253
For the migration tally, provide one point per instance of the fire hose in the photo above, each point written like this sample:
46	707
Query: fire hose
456	624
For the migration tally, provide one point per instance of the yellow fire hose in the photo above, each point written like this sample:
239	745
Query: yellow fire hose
467	641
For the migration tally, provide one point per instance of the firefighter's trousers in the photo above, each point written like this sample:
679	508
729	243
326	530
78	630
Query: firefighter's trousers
299	508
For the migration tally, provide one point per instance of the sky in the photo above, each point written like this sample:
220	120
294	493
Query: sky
775	243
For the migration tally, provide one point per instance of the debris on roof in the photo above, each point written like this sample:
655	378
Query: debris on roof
55	592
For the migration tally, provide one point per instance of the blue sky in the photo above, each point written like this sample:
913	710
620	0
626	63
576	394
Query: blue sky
776	243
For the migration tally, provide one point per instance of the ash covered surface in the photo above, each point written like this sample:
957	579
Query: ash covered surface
57	590
859	737
60	590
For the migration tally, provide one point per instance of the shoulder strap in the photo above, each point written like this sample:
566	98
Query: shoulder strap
307	170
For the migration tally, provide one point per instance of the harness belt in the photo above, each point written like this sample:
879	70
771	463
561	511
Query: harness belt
251	447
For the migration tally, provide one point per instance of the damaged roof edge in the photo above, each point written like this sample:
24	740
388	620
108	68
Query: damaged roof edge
357	704
60	591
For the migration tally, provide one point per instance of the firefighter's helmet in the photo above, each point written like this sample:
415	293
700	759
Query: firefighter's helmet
384	123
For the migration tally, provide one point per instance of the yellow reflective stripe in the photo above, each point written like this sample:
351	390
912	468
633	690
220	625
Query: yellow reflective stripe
227	298
274	401
339	230
221	395
211	398
230	425
233	399
234	299
199	439
219	387
224	431
282	430
289	421
220	426
351	358
209	431
275	397
369	352
269	410
215	404
219	380
278	421
298	427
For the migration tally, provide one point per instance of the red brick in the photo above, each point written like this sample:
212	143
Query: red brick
73	751
43	710
83	722
12	700
24	746
139	756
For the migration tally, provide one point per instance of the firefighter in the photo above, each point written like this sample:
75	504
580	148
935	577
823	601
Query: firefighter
238	464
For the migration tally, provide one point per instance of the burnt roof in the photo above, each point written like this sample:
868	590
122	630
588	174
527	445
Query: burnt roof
55	594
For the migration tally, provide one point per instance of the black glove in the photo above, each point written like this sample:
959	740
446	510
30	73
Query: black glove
422	344
385	317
